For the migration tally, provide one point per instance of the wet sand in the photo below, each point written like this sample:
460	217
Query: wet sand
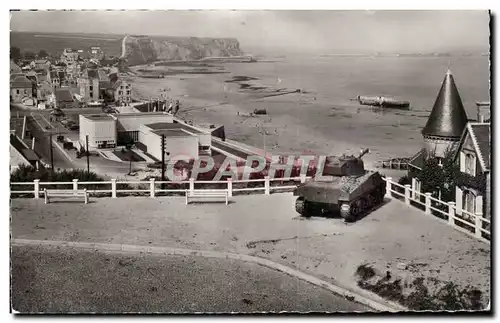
203	101
322	119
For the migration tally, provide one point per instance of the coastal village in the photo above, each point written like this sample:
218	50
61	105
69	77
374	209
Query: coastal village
77	81
78	132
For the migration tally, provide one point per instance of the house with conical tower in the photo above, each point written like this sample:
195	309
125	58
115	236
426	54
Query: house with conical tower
449	133
444	127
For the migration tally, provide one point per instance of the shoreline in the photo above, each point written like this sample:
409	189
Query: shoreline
230	98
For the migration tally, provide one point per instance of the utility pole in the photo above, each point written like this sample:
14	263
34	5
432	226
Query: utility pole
162	157
51	153
87	151
163	160
130	164
263	132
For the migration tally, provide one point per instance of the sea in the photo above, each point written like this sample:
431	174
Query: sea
329	83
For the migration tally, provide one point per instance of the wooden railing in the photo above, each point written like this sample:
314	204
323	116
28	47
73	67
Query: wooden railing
472	224
153	187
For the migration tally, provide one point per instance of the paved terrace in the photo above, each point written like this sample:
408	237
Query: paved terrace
268	227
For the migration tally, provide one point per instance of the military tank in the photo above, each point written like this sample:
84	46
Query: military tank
351	190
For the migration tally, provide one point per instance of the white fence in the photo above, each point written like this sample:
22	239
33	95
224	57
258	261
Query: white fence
153	186
469	223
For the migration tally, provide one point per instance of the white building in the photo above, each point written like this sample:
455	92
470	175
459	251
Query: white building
145	130
129	123
178	142
101	129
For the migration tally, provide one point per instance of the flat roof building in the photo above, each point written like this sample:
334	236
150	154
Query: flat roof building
101	129
178	142
111	130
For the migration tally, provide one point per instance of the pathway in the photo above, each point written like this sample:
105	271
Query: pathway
268	227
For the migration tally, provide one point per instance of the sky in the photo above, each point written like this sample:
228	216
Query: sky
324	31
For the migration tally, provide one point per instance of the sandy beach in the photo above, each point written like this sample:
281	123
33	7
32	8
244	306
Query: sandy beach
321	119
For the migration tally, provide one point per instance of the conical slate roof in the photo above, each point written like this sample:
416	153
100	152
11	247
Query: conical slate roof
448	117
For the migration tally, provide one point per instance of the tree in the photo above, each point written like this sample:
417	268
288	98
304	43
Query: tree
15	54
43	53
29	55
440	176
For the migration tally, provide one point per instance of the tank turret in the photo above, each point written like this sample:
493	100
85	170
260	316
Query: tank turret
345	165
351	189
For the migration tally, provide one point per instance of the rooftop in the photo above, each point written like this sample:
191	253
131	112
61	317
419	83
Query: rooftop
93	74
105	85
98	117
169	126
119	83
14	75
29	154
448	117
63	95
172	133
14	67
481	133
418	159
145	114
20	82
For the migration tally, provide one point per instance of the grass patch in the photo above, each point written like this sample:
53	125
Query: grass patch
417	296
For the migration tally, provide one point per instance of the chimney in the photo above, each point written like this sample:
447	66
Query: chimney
483	111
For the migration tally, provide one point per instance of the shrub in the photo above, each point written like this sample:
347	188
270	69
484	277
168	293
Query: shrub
29	173
404	180
449	297
365	272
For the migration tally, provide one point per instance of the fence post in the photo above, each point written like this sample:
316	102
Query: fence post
113	187
302	178
191	185
388	188
407	193
152	187
36	190
451	213
413	188
266	185
75	184
479	225
229	187
428	203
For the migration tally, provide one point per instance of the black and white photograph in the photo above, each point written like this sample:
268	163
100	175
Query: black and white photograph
250	161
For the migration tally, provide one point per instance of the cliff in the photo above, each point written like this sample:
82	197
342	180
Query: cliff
145	49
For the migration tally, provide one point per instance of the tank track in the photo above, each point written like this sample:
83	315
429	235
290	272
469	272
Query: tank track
305	208
350	211
300	205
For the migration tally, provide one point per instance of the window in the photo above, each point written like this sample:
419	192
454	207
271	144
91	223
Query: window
469	201
121	87
120	92
91	88
468	163
418	185
17	91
